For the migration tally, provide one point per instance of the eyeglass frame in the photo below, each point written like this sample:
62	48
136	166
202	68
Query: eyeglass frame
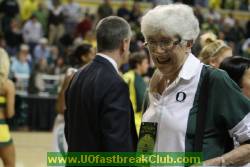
163	44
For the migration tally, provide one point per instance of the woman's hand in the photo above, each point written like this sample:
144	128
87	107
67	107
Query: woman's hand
237	157
218	161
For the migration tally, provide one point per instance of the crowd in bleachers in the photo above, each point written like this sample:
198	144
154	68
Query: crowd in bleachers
41	35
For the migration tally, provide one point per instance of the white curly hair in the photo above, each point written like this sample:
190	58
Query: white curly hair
173	19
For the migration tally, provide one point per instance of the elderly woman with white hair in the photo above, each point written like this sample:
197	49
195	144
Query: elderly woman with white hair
193	107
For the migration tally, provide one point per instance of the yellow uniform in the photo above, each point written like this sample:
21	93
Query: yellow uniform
5	138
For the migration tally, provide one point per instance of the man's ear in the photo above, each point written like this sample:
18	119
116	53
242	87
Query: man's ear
124	45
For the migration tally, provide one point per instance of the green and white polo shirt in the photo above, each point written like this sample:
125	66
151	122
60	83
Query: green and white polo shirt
175	111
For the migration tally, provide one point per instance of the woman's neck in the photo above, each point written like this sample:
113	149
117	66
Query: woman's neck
167	80
172	76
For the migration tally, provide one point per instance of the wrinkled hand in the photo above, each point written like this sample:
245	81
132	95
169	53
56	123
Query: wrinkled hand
211	162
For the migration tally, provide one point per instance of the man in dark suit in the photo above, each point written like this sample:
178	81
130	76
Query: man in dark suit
99	114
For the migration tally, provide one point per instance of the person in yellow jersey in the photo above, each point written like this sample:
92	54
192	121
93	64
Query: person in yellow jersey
7	100
27	8
138	63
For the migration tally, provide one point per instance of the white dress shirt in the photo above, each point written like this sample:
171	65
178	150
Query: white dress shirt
170	114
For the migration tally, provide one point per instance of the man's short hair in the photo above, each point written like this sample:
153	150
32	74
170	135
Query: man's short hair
110	32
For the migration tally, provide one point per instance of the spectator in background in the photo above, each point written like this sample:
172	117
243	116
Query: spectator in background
41	50
13	37
85	25
135	13
213	14
229	20
237	34
7	110
65	43
230	4
55	22
220	23
20	64
198	14
90	38
238	68
123	11
82	55
227	31
214	4
36	82
42	16
72	14
59	67
221	36
138	63
215	52
222	4
32	32
210	25
203	40
28	7
9	9
105	9
135	44
53	56
207	38
244	5
246	48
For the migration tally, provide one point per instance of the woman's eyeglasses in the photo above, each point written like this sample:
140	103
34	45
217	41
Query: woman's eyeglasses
164	44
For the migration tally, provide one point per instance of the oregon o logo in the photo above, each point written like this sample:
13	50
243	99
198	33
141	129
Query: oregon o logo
181	96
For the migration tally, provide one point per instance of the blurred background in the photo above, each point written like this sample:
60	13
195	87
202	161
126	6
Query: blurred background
41	37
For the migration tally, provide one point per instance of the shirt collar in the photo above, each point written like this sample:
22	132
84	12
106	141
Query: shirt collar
190	67
112	61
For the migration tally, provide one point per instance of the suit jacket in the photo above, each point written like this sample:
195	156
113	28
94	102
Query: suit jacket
99	114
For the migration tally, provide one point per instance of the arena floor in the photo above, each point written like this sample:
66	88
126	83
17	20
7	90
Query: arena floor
31	148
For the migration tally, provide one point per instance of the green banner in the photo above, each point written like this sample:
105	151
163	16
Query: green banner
124	159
